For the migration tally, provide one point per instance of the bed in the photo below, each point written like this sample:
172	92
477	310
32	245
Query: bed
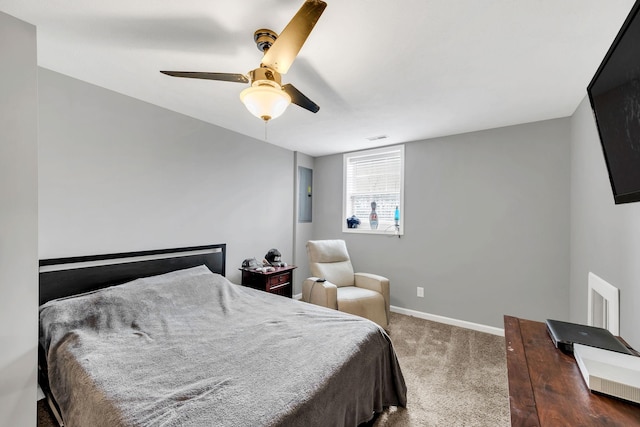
162	338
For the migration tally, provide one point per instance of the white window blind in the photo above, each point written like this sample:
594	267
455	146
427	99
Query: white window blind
374	176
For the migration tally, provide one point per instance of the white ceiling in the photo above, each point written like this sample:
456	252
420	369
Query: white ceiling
410	70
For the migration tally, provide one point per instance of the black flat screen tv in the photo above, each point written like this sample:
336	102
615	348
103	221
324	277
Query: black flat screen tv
614	93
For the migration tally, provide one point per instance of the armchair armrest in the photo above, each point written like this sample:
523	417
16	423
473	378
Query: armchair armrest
320	293
376	283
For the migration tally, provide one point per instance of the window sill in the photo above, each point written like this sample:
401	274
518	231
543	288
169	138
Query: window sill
388	232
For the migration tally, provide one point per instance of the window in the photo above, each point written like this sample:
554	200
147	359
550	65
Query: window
374	186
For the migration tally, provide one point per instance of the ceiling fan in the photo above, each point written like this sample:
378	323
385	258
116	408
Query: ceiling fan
267	98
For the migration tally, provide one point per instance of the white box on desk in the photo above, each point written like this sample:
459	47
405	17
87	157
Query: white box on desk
609	372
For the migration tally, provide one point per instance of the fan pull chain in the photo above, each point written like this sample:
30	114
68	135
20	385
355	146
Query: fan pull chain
265	130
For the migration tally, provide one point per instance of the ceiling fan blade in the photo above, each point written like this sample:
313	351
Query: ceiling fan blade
225	77
300	99
284	50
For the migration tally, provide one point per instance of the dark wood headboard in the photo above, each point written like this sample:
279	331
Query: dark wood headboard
62	277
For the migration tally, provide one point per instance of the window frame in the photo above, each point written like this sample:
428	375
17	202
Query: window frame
364	225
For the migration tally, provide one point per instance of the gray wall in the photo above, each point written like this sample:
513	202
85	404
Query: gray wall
486	223
118	174
18	222
605	238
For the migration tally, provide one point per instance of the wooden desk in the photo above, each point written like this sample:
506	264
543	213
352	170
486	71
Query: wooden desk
546	387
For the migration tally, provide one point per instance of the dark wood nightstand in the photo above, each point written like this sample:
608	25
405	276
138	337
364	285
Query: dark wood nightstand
277	282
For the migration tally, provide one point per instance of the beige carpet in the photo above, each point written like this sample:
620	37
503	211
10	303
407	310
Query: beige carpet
455	377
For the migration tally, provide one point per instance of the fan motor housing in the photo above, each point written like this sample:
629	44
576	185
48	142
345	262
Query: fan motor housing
264	38
265	73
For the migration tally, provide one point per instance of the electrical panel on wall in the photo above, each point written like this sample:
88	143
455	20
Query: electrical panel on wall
305	182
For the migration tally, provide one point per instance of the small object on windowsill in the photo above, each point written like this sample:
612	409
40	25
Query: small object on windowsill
353	222
373	217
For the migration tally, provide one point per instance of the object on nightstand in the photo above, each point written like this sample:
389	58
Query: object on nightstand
273	258
251	264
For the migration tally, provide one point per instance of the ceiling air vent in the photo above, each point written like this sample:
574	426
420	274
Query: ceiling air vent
377	138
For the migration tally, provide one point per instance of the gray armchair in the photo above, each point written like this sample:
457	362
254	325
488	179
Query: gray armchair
362	294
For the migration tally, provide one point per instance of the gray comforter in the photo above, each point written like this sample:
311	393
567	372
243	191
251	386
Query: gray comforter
189	348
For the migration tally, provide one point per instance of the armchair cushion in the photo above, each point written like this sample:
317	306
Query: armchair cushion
327	251
362	302
329	259
338	273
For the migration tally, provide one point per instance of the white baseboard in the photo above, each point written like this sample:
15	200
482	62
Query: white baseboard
440	319
449	321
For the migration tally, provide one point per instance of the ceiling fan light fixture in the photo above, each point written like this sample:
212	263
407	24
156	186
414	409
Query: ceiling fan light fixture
266	98
265	101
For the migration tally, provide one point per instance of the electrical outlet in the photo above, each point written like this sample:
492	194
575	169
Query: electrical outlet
420	292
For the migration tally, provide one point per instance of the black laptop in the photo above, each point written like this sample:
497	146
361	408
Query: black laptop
564	334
